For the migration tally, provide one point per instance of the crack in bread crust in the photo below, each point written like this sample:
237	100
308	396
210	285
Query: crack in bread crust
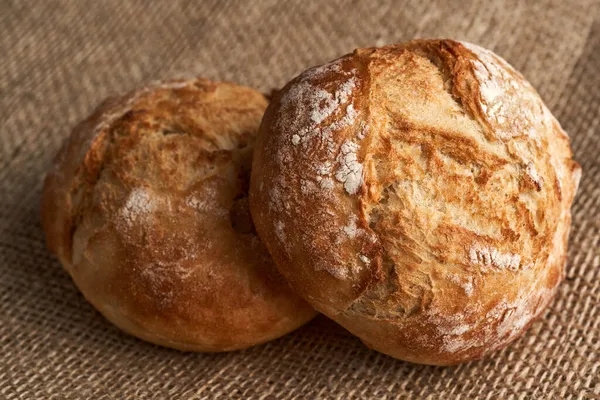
463	152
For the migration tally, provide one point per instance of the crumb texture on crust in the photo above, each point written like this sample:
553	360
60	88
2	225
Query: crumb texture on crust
147	208
419	194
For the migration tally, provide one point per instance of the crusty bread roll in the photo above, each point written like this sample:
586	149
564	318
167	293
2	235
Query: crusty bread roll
419	195
147	209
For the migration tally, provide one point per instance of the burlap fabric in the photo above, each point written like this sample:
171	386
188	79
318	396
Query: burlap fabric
58	59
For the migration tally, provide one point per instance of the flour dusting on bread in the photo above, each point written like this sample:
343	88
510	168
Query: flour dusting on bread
490	257
139	203
306	98
507	99
350	169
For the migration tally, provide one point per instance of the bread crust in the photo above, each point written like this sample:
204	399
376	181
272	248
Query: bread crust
146	208
419	195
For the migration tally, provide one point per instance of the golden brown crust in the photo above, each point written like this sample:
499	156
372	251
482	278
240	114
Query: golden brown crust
146	207
419	195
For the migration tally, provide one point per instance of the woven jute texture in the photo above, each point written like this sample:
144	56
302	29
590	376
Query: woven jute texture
58	59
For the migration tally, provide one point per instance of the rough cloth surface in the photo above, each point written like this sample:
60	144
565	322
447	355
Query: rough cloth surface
58	60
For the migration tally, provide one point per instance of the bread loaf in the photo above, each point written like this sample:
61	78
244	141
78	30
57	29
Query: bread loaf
146	207
419	195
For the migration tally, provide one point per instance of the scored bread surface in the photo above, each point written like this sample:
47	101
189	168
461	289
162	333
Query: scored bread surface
419	195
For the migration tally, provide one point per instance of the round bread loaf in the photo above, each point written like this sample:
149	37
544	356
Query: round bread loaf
419	195
147	209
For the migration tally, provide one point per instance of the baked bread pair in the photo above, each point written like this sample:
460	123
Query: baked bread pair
417	194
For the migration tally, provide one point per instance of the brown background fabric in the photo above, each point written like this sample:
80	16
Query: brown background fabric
58	59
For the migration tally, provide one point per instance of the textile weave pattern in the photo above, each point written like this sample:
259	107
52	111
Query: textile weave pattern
59	59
